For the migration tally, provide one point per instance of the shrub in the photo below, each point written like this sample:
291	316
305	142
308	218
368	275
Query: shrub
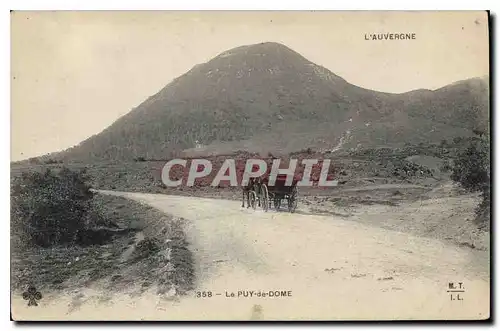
471	169
146	248
50	208
88	237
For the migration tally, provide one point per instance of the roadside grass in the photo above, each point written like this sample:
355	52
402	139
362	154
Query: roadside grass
128	260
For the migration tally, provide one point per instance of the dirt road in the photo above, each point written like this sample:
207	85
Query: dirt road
328	267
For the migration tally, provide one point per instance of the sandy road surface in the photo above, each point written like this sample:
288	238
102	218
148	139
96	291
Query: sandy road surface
335	269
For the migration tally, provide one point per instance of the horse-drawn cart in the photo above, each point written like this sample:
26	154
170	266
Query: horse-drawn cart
273	195
259	192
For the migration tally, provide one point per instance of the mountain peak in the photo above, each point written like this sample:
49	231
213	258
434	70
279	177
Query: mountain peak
264	48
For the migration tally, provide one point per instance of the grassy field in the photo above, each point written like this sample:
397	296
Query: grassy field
148	250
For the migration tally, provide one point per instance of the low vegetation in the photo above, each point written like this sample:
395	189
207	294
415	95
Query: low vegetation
66	236
50	208
471	169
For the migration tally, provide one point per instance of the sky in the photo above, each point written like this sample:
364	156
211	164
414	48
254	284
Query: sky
74	73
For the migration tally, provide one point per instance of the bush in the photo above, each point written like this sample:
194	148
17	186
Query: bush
88	237
50	208
471	169
146	248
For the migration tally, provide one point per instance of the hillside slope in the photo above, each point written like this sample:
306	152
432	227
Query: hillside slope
266	97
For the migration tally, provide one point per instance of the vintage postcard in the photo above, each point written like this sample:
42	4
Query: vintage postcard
250	166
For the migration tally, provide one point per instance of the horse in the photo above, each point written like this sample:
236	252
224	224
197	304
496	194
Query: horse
254	184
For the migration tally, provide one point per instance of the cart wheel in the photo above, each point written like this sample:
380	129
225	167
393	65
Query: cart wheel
253	199
277	203
264	197
292	200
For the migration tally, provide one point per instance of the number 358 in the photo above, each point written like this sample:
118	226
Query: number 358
204	294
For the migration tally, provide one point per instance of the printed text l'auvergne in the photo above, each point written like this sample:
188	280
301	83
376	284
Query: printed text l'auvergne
390	36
